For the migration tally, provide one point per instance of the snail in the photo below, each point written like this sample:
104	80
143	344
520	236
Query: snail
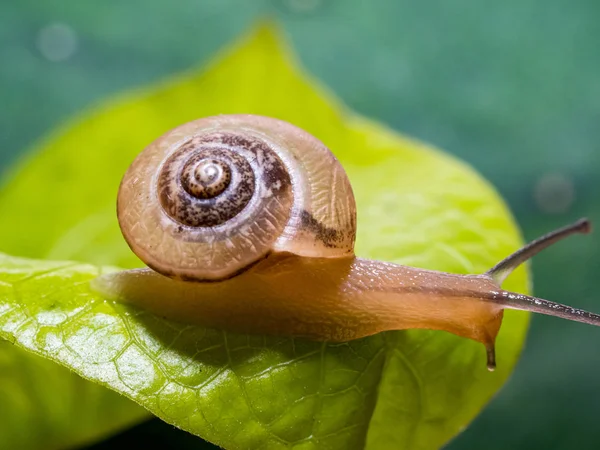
247	224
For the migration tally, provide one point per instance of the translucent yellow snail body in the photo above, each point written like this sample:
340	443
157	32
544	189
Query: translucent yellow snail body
248	224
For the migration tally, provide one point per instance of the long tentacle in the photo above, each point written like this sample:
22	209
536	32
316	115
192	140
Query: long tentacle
524	302
503	269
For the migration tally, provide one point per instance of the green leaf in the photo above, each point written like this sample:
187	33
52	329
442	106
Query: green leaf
44	405
412	389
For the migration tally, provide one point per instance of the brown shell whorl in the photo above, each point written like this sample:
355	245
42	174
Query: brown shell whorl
206	182
205	177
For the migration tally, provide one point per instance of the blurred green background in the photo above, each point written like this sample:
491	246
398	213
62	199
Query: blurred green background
511	87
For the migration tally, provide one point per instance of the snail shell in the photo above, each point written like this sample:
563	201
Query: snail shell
212	197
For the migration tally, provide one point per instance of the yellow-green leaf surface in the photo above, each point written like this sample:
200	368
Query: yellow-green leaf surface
417	206
46	406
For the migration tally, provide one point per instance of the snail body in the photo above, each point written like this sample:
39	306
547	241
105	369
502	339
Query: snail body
248	224
321	299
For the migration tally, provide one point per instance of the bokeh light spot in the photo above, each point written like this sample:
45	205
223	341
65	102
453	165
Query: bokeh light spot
554	193
57	42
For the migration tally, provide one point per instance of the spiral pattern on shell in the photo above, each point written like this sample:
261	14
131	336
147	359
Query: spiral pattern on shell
212	197
211	179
